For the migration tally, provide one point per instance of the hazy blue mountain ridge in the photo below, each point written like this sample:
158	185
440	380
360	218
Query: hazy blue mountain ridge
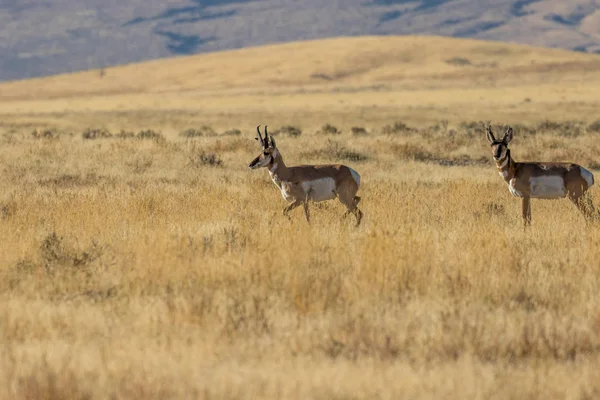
42	38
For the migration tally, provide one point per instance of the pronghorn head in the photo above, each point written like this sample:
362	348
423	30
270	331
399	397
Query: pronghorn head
269	151
499	147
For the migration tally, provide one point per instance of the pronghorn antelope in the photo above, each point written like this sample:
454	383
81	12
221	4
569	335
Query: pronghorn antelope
302	183
541	180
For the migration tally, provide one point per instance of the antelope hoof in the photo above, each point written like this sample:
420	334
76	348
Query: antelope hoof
359	216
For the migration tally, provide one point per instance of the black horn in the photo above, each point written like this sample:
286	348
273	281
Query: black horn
259	138
489	134
266	137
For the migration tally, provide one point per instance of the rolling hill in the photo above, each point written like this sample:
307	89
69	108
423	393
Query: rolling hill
345	80
44	38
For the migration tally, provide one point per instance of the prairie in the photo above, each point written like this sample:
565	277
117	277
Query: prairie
140	258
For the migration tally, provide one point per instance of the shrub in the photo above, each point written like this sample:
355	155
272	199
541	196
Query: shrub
204	130
495	209
7	209
149	134
141	164
523	130
201	159
459	61
232	132
358	130
45	134
288	130
54	254
440	127
396	127
91	134
567	128
125	135
594	127
328	129
409	151
477	128
191	133
336	151
572	128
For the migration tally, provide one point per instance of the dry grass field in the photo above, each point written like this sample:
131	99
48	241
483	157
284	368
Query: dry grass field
142	263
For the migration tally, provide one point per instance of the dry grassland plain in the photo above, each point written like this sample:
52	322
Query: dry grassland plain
158	266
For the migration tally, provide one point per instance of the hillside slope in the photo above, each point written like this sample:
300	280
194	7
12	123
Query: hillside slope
408	62
346	81
41	38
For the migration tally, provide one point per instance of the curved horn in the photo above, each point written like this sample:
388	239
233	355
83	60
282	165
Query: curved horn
259	138
266	137
489	134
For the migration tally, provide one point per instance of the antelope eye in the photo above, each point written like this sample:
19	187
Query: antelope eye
266	153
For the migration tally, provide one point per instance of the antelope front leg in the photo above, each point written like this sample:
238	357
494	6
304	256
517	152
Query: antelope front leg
306	213
305	204
526	208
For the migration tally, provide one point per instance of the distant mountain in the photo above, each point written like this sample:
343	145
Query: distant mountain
48	37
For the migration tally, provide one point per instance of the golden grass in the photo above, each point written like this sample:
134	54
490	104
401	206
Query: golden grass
163	268
180	279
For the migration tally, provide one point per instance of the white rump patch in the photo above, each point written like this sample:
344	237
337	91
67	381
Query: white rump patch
587	175
355	176
320	189
547	187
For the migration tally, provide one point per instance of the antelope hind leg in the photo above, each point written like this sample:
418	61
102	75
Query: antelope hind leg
526	210
584	204
289	208
359	215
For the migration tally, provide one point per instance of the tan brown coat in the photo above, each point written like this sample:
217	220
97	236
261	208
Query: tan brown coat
304	183
539	179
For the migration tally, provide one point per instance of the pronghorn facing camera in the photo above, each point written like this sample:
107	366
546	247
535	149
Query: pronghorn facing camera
302	183
540	180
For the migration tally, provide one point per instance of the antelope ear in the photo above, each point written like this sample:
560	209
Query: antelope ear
490	135
272	142
508	135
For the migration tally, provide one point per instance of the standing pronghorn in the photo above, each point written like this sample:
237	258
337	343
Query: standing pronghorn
302	183
541	180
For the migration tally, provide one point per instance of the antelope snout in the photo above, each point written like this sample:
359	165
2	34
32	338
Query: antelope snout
253	163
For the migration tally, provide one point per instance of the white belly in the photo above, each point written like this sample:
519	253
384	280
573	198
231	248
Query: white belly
320	189
547	187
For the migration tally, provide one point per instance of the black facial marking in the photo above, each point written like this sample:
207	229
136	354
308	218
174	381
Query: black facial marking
498	152
254	162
